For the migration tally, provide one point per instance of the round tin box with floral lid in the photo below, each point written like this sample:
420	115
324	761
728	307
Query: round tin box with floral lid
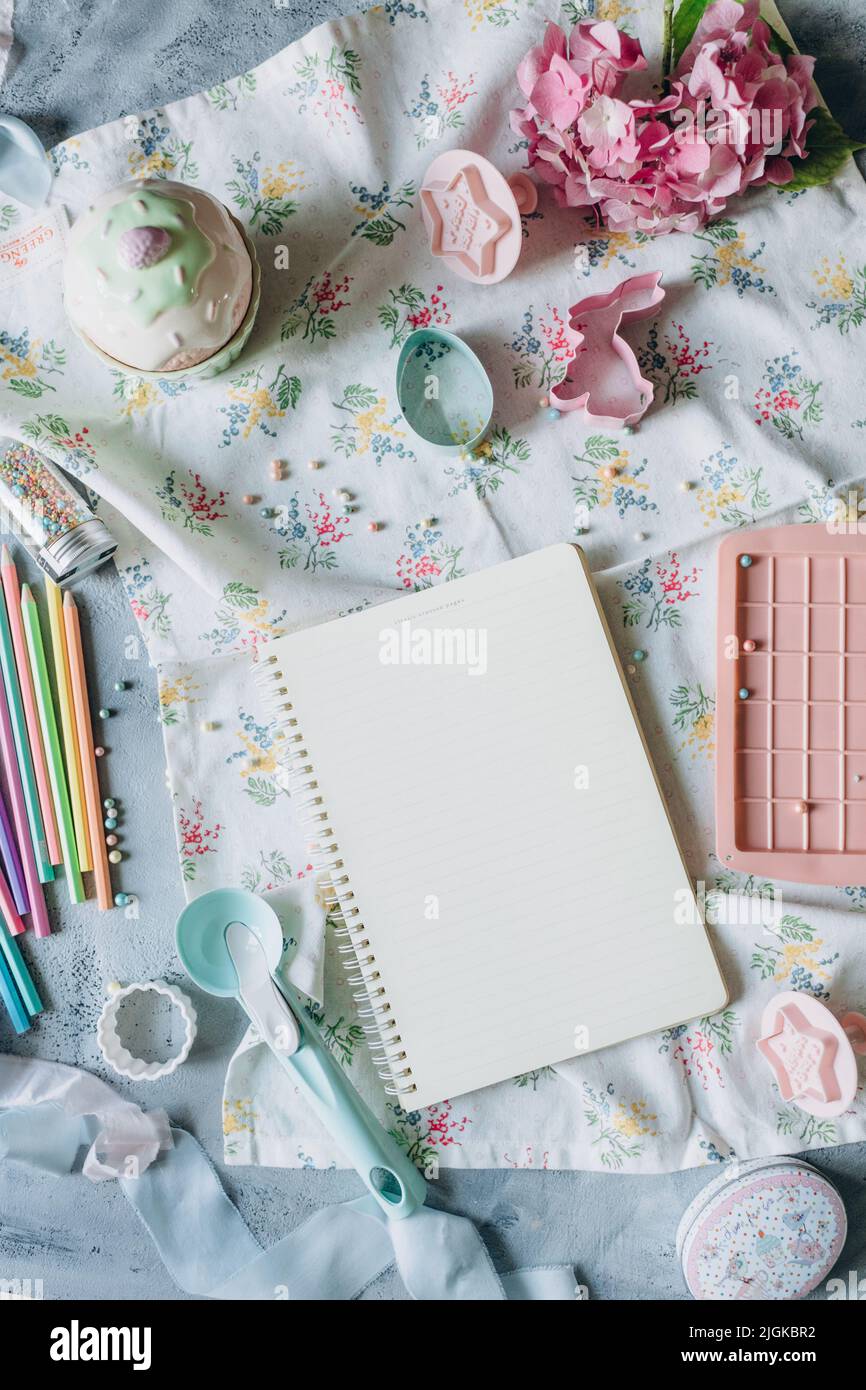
772	1228
161	279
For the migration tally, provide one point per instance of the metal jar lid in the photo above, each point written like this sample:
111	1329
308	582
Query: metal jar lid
78	551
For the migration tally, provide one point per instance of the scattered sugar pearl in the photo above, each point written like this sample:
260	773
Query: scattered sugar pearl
628	429
638	654
109	803
686	485
250	499
857	777
374	526
111	841
207	726
749	645
745	561
342	495
553	413
543	402
743	692
278	467
801	807
609	471
115	856
122	900
631	669
640	535
120	685
314	463
105	712
427	522
110	822
99	752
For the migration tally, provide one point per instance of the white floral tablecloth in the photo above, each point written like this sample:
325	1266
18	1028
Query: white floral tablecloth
756	355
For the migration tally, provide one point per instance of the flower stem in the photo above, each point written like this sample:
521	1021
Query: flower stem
667	40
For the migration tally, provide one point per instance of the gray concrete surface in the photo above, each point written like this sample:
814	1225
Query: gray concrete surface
74	65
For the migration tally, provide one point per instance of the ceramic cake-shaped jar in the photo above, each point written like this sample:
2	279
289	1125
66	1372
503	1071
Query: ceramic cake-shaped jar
160	278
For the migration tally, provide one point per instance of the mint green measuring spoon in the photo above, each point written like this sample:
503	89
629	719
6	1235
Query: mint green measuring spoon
230	943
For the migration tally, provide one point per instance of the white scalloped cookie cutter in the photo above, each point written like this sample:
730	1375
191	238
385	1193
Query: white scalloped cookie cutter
118	1057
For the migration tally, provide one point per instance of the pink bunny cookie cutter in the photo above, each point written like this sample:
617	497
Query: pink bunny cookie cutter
472	215
603	378
811	1053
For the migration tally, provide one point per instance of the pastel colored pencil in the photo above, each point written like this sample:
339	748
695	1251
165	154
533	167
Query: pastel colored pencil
63	691
12	951
51	741
12	999
12	859
22	747
78	677
17	799
12	590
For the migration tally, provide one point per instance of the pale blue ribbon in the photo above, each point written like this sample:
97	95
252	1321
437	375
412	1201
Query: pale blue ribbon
204	1243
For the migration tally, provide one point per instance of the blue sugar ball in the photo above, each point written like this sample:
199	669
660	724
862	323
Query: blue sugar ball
745	561
110	822
121	900
109	803
638	654
553	413
120	685
743	693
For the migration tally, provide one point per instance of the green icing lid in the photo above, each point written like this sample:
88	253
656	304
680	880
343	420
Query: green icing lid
170	281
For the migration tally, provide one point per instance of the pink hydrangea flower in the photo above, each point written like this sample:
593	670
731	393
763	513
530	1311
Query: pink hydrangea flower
736	114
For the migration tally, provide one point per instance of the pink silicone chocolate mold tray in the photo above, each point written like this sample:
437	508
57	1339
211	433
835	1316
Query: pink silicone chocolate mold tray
791	673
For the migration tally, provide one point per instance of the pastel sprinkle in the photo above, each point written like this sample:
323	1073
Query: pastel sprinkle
638	654
857	777
609	471
207	726
105	712
374	526
121	900
745	561
115	856
110	822
250	499
553	413
686	485
544	402
640	535
428	521
743	692
801	807
99	752
111	841
121	685
109	803
314	463
749	645
266	511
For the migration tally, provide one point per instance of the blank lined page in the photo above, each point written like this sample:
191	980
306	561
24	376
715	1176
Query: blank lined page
499	820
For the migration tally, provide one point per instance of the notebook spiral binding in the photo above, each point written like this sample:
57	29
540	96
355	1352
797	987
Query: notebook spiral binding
299	779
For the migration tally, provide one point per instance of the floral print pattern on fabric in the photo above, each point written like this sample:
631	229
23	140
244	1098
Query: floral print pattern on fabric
321	161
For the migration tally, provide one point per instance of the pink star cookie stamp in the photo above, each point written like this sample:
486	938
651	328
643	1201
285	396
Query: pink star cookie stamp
811	1053
472	215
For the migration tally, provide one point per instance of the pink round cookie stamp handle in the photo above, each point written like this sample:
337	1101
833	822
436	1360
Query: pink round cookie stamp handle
854	1025
525	193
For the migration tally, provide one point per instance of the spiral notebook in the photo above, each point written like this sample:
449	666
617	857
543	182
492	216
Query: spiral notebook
471	769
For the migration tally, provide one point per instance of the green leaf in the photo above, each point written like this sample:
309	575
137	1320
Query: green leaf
827	149
240	595
685	23
26	386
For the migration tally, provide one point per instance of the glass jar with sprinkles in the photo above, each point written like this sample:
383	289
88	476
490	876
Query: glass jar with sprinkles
36	495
